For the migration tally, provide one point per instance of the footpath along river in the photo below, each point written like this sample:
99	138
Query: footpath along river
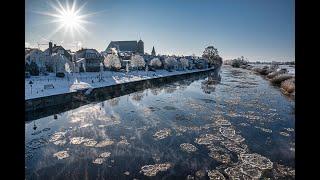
242	127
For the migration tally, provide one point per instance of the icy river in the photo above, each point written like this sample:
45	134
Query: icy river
242	127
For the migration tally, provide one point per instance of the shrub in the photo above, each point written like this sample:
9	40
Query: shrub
137	61
170	63
279	78
155	63
275	73
112	61
288	85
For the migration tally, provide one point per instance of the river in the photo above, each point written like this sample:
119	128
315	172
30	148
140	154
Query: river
241	127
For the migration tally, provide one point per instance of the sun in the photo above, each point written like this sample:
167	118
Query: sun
68	18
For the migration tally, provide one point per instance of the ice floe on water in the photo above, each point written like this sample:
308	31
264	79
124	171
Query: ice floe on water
256	160
77	140
61	154
220	156
215	175
282	171
102	158
235	147
244	124
152	170
207	139
123	141
289	129
190	177
104	143
98	161
264	129
161	134
284	134
236	173
251	171
60	142
215	147
230	133
200	173
222	122
105	154
188	147
90	142
57	136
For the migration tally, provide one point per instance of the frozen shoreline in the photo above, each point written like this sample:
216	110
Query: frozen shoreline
62	85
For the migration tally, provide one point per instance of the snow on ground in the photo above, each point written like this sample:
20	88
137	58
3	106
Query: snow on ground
72	82
291	69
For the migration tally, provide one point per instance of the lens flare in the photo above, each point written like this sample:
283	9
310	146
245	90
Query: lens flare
69	18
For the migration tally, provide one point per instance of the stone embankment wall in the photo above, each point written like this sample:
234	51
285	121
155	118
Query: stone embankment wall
48	105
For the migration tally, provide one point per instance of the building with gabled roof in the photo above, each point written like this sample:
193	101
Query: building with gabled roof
132	47
92	59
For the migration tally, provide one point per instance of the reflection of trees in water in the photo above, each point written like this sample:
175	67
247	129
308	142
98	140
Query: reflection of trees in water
114	102
209	86
185	83
137	96
157	90
170	89
213	79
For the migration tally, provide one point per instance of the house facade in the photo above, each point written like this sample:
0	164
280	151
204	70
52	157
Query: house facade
92	59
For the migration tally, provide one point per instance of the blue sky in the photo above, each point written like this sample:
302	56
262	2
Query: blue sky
257	29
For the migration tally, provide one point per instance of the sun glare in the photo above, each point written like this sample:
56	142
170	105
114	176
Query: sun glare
68	18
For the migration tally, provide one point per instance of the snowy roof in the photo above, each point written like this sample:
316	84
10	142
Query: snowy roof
123	45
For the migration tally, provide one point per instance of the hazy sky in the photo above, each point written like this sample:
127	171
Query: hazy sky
257	29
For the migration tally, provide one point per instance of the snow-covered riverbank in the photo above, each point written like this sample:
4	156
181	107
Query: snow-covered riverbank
290	68
64	85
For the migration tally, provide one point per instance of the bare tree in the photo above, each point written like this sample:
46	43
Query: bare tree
211	54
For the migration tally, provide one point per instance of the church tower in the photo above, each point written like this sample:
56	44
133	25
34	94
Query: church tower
153	53
140	48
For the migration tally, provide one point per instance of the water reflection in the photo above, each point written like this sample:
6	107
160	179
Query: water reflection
137	96
175	131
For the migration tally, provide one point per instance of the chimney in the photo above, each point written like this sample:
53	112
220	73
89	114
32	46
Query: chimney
54	45
50	48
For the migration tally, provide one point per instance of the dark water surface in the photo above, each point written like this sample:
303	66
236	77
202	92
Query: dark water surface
242	127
